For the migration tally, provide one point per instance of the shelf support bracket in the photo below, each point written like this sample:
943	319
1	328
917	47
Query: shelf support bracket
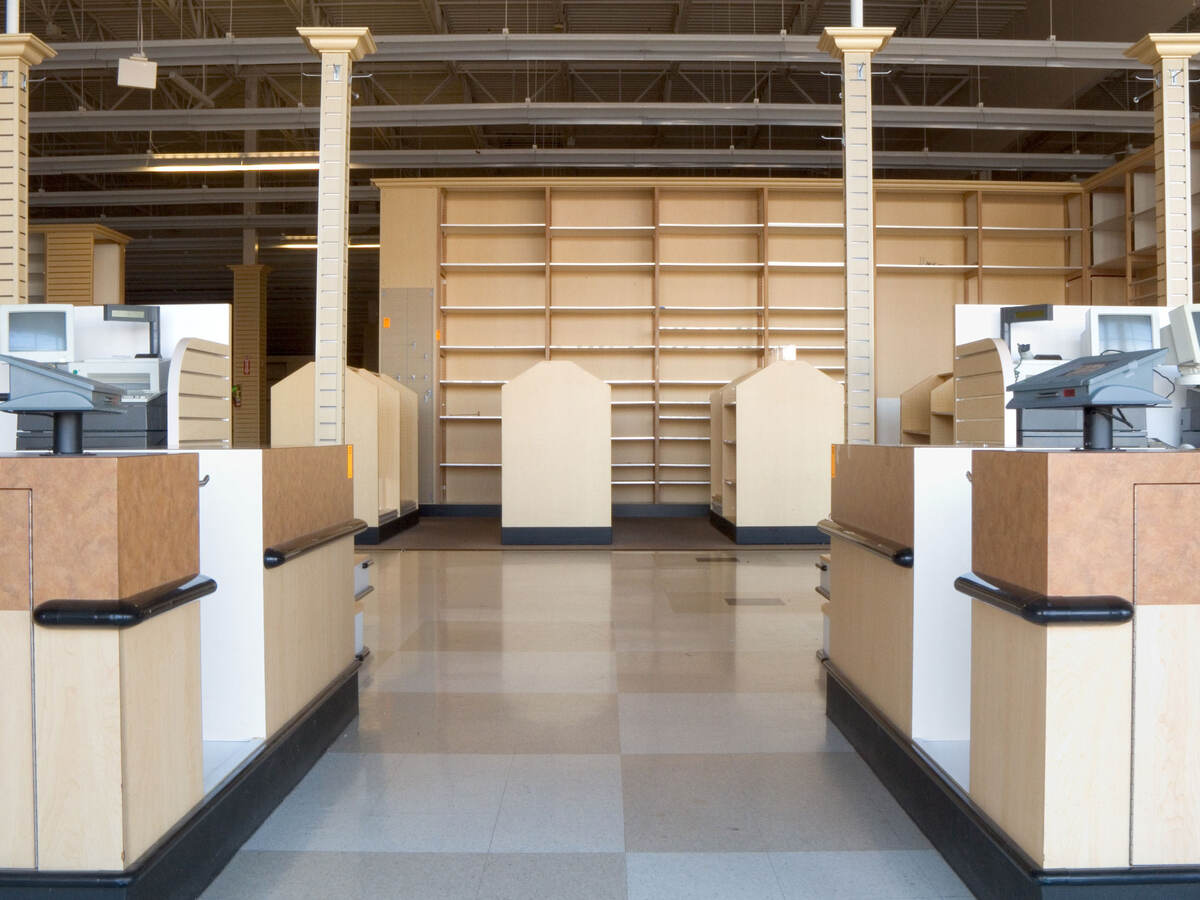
855	47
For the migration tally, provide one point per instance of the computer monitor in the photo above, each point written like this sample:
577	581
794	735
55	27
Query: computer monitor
120	312
38	332
1185	325
1121	331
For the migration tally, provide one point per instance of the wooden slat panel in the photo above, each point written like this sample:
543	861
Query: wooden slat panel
980	431
206	364
203	385
981	386
203	429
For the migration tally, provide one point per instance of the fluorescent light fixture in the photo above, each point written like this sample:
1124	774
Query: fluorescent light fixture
231	162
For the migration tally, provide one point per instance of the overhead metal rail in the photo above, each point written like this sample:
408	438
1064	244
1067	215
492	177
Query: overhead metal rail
187	196
647	114
1080	163
666	48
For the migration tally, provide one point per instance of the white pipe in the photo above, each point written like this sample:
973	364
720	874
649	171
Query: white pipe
12	16
856	15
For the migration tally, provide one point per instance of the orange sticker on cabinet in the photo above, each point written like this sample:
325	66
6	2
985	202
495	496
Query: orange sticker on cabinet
387	322
349	460
833	460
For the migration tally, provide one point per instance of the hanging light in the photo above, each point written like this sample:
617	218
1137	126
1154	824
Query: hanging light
137	71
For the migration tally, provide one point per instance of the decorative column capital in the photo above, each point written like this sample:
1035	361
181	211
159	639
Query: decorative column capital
1154	48
29	48
249	267
837	42
358	42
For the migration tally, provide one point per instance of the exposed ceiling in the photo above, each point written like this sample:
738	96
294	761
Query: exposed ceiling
969	88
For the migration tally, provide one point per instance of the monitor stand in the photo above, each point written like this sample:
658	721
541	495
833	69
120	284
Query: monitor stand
1097	428
68	434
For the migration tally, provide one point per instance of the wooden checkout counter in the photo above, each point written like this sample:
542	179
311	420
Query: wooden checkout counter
163	687
1035	710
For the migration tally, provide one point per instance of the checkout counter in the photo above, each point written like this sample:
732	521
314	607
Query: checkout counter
177	648
1071	628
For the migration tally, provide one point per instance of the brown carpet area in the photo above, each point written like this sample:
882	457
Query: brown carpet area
667	533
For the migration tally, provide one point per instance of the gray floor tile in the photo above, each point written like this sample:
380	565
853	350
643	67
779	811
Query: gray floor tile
390	803
760	802
710	671
701	876
524	672
256	875
872	875
498	636
561	804
483	723
727	723
561	876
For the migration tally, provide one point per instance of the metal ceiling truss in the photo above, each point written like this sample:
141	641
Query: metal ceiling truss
939	116
570	158
664	48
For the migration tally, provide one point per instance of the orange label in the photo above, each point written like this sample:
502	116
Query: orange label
437	335
349	460
387	322
833	460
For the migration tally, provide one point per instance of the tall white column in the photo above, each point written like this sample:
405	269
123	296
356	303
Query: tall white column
339	49
855	47
18	53
1169	55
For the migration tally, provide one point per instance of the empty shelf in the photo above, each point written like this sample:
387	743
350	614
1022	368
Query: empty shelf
683	418
492	227
554	308
598	230
711	309
831	227
494	348
469	465
452	382
602	265
648	438
469	418
494	266
781	264
601	348
716	348
698	329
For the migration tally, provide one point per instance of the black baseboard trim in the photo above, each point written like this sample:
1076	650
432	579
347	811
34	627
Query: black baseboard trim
380	533
186	861
990	865
571	536
659	510
461	510
767	534
620	510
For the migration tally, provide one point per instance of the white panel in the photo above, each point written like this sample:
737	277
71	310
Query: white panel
231	620
941	615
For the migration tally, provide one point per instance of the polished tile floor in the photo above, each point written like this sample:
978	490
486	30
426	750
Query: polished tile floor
587	724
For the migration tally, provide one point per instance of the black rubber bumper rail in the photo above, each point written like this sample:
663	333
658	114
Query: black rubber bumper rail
276	556
889	550
127	611
1042	610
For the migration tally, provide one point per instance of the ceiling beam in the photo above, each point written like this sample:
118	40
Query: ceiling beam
666	48
601	158
598	113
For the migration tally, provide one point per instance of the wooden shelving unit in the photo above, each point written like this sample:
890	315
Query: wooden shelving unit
669	288
770	466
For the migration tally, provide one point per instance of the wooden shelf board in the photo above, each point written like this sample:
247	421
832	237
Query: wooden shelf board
460	382
493	266
800	329
702	465
598	230
492	227
693	381
673	438
709	227
597	348
925	267
784	264
633	403
502	310
754	309
683	418
489	348
800	309
466	465
1033	270
710	266
1022	231
464	418
699	329
620	483
597	309
830	227
601	266
925	229
713	349
649	438
669	483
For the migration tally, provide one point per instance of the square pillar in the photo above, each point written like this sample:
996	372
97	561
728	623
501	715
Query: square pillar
249	354
18	53
1168	54
855	47
339	49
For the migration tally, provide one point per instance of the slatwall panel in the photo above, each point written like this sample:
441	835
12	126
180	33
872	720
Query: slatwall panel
198	403
982	369
69	267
